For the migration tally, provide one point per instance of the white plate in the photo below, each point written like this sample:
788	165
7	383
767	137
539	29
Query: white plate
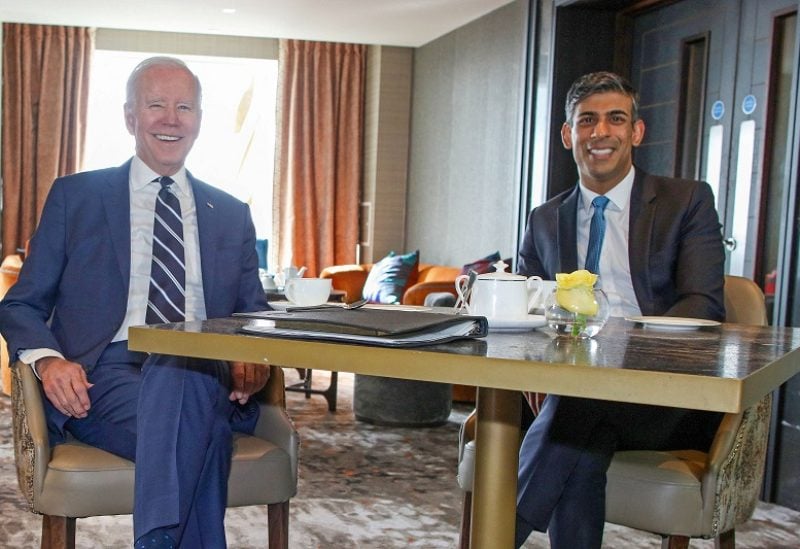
672	322
531	322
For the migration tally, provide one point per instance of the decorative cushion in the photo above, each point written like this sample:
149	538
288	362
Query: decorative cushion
486	264
389	278
483	265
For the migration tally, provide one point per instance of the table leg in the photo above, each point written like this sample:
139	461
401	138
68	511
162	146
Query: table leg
494	496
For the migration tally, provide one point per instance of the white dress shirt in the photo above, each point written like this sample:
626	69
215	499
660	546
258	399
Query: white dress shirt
615	268
143	191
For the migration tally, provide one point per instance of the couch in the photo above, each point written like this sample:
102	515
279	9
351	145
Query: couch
429	278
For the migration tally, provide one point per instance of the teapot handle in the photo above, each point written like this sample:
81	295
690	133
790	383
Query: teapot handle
533	299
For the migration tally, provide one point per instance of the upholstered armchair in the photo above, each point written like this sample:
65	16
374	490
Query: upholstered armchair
74	480
685	493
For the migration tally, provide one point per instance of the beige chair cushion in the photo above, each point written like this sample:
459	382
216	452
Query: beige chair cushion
667	485
656	491
100	483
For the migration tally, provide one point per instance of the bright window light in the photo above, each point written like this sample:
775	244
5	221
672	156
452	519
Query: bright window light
236	146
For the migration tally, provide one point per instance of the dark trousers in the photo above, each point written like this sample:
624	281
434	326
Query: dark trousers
567	450
172	416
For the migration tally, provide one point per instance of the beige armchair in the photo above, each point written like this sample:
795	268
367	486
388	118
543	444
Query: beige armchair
679	494
74	480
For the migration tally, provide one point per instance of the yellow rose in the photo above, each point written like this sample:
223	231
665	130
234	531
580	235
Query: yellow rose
575	292
575	279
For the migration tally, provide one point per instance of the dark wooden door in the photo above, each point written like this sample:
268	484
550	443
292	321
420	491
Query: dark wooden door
718	85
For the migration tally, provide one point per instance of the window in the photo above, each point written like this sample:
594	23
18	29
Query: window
235	149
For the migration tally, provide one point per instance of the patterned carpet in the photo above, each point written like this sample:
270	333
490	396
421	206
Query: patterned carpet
361	486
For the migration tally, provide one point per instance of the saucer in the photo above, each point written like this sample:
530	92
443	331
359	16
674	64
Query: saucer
525	324
675	323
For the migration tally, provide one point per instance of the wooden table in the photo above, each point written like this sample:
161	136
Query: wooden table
723	369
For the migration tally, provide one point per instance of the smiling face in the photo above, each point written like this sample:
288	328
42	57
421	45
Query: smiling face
602	136
164	117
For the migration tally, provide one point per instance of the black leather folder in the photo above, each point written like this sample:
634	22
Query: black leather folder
368	326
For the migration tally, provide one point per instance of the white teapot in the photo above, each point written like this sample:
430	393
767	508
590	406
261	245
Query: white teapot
500	295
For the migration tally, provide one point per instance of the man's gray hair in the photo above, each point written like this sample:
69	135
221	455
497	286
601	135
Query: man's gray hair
158	61
600	82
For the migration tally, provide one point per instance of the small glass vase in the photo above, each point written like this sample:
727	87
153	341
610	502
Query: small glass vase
568	324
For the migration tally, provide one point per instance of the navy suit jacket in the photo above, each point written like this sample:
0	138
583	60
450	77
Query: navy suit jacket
675	245
72	291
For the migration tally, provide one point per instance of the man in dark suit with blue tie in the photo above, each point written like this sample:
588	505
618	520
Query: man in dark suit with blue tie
655	243
145	242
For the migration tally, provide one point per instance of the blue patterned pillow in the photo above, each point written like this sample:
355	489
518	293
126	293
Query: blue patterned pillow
389	277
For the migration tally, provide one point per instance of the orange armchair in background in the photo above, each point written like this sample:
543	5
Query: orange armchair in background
429	278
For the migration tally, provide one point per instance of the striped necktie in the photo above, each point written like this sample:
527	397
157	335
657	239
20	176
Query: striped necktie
166	301
597	231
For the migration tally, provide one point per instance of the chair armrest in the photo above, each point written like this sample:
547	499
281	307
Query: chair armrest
348	278
735	466
415	295
31	440
274	424
467	432
274	392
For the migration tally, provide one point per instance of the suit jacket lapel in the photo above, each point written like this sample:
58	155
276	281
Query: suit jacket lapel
640	231
206	233
567	232
116	200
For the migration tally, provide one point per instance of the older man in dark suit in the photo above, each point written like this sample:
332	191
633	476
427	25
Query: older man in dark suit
659	252
144	243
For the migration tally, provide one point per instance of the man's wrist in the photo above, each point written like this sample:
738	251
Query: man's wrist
33	356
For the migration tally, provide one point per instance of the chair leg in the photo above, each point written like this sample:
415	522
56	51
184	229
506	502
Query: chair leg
330	392
58	532
466	518
674	542
726	540
278	525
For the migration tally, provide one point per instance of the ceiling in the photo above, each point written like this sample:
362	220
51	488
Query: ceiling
410	23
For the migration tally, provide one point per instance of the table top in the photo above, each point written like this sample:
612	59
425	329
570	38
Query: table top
725	368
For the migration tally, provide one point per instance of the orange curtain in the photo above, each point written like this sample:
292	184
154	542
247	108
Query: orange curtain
45	98
319	151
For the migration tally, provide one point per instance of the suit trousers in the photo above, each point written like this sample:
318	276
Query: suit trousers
172	416
567	450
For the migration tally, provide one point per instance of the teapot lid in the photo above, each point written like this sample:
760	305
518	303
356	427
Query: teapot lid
500	273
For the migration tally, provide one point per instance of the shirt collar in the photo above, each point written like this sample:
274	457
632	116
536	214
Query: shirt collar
619	196
141	175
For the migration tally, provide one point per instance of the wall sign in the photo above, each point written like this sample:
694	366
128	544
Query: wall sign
749	104
717	110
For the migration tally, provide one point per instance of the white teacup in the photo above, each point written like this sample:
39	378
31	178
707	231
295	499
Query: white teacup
500	295
306	292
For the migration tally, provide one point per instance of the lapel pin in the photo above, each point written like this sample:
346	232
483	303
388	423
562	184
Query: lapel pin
210	205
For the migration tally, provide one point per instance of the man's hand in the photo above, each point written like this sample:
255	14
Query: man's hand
65	385
247	379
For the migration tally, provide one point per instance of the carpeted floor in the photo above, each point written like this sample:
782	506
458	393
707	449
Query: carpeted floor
361	486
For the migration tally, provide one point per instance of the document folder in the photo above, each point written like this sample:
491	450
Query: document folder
382	327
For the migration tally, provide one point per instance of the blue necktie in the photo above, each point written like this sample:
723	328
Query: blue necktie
597	231
166	301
